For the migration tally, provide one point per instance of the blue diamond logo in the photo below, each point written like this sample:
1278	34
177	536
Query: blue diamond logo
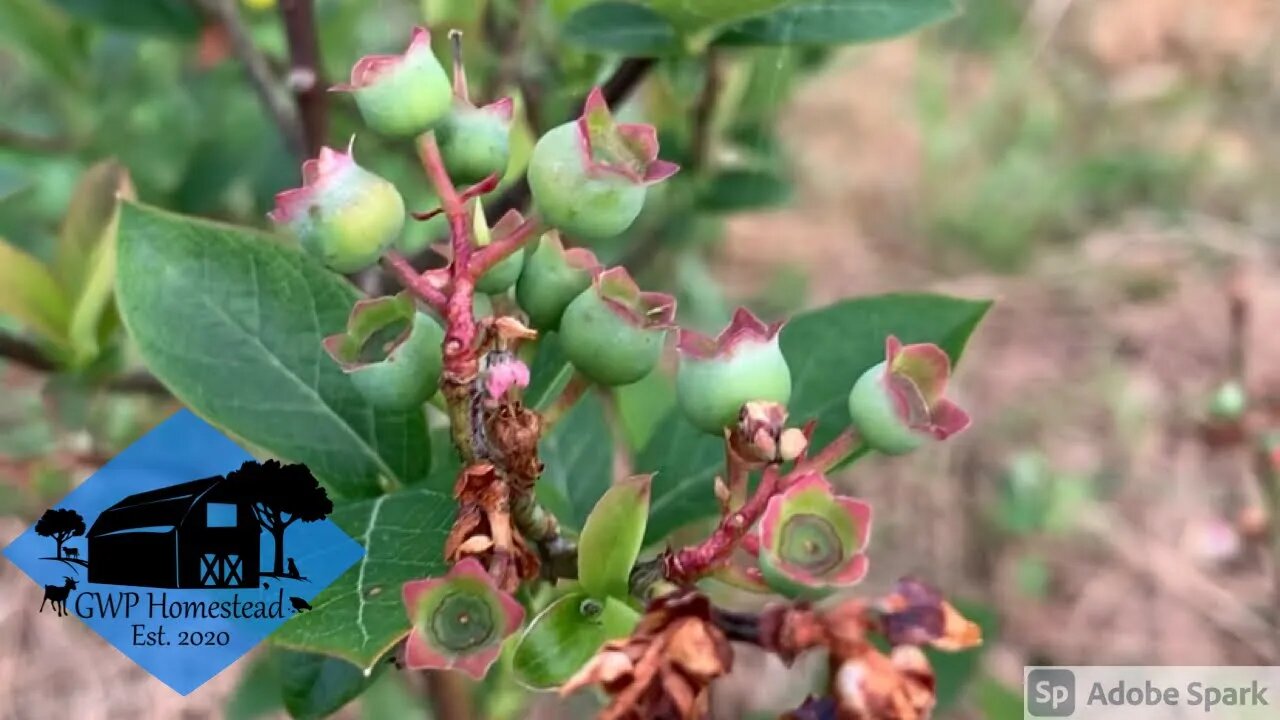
184	552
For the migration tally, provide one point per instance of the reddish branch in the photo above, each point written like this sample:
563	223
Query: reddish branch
688	564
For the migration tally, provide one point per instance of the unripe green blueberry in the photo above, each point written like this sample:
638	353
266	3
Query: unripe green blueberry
588	177
898	404
612	332
499	278
476	142
718	376
552	277
402	95
343	214
391	352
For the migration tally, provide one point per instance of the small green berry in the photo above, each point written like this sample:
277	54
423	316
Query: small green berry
551	278
589	177
391	352
898	404
718	377
476	142
613	332
343	214
402	95
499	278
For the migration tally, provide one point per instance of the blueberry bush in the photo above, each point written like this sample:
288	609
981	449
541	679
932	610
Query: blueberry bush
467	403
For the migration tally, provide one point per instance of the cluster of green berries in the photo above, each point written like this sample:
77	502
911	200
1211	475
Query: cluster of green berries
588	178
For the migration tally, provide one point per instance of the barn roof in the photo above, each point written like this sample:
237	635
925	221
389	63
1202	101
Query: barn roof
155	510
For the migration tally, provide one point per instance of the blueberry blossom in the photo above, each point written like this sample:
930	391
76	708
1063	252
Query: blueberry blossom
589	176
898	404
717	377
812	540
459	621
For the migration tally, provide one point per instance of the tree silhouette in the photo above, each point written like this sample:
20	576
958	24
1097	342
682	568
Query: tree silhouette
61	525
280	495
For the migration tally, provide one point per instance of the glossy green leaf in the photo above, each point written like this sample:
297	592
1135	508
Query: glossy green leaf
316	686
742	189
38	31
549	373
361	616
837	22
86	253
611	538
827	350
642	406
562	638
578	455
232	322
162	17
691	16
621	28
31	295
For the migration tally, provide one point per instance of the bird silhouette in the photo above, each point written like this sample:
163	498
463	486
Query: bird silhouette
299	605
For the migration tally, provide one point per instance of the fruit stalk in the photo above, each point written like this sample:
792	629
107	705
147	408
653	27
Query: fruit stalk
690	563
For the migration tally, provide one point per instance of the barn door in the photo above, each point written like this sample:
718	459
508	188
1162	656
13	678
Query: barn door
221	570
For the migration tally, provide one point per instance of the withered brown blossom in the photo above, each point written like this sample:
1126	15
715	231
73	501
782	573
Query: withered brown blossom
663	670
867	684
483	528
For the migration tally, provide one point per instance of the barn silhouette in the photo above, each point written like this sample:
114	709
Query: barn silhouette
199	534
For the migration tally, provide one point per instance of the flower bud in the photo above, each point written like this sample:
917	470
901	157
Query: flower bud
552	277
502	276
343	214
898	404
476	142
391	352
812	541
588	177
458	621
612	332
401	95
742	364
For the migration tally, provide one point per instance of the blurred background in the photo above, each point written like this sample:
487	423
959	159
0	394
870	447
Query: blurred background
1105	169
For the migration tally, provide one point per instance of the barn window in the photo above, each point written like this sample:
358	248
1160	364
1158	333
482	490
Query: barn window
220	515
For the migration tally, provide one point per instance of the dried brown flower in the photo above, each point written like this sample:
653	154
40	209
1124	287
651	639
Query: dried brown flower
663	670
483	528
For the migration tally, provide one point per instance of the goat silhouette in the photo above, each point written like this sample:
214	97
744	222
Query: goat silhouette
57	596
71	552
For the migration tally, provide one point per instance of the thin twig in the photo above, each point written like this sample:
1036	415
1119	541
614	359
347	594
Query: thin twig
306	75
18	140
1269	478
32	357
266	85
448	694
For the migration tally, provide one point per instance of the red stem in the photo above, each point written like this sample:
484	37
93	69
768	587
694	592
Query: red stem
418	284
498	250
692	562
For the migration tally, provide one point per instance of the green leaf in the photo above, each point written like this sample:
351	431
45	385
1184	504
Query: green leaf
691	16
837	22
562	638
43	34
30	294
827	350
360	617
162	17
86	253
316	686
549	373
578	455
741	189
621	28
231	321
997	702
642	405
612	536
